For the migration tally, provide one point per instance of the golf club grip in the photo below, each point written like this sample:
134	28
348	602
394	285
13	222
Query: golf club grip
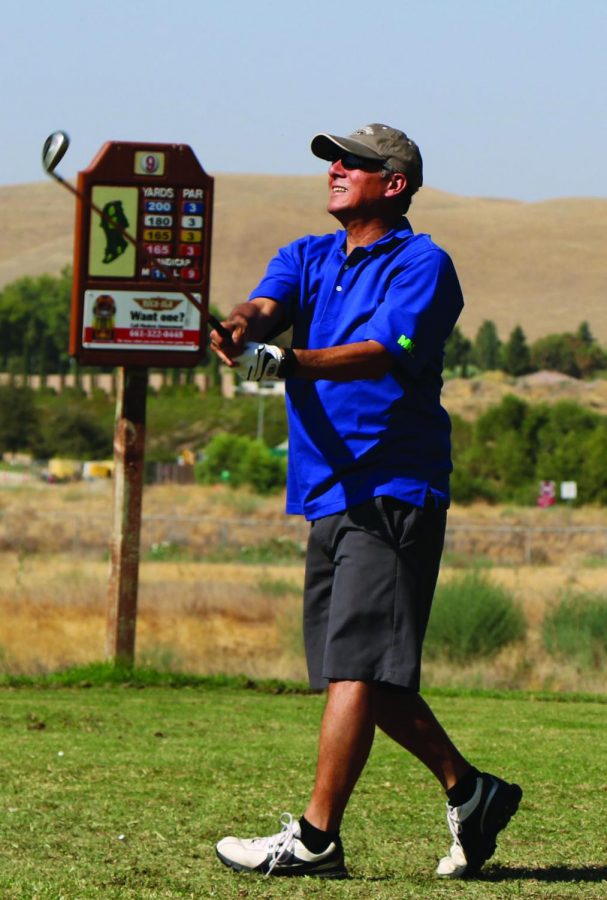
212	320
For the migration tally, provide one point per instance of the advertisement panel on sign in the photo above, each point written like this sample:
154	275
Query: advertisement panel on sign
138	320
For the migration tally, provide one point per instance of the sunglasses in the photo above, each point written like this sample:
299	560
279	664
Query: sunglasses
351	161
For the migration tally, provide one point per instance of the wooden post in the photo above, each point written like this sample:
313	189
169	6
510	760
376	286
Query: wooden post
129	451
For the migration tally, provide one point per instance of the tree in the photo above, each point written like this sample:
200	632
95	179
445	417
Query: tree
563	445
516	359
34	324
557	353
584	334
458	350
593	478
509	415
577	355
589	356
78	433
19	424
487	347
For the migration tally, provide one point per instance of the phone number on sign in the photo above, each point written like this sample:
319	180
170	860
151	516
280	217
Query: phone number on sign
156	333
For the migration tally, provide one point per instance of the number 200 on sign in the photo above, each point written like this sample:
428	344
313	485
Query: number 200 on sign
158	206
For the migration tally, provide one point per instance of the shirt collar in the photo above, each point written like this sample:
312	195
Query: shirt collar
400	233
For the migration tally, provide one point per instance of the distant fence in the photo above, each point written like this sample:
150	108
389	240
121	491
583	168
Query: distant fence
525	545
89	382
200	536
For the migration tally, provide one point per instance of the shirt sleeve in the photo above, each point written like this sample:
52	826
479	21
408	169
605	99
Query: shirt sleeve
419	311
282	280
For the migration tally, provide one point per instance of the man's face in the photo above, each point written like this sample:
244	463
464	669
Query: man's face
356	187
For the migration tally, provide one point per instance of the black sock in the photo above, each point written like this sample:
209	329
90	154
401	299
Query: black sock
463	789
313	838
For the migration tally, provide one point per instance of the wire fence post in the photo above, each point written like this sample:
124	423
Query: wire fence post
528	540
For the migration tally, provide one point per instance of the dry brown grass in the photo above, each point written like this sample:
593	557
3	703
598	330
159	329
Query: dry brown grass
197	617
211	618
233	618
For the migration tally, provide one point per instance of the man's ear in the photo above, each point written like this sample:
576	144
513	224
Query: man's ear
396	183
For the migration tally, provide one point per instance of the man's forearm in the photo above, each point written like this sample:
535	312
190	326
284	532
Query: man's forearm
348	362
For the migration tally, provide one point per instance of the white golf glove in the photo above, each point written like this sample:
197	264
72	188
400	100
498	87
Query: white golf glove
260	362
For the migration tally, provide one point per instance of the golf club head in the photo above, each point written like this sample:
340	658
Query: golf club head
54	150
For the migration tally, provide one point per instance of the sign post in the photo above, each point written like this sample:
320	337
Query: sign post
129	454
140	299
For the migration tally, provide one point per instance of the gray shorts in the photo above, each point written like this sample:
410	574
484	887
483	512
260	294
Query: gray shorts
371	572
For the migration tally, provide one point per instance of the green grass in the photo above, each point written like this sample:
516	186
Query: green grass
272	551
120	790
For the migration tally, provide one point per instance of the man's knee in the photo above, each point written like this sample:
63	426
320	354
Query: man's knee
351	691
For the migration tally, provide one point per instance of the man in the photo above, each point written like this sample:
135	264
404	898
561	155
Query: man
369	459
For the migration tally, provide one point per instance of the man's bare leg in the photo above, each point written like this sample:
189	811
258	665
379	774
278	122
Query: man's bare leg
409	721
346	737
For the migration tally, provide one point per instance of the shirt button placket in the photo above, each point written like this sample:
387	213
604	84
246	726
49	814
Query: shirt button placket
344	268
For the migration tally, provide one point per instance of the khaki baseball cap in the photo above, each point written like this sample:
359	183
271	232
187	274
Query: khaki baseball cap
380	142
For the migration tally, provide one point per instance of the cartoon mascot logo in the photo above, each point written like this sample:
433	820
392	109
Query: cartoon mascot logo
114	222
104	311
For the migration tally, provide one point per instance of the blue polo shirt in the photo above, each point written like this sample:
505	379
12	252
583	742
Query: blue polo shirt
351	441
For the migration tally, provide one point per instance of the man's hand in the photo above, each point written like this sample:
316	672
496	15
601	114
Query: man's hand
247	322
230	344
260	362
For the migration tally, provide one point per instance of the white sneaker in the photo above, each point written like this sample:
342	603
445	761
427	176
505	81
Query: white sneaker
282	854
475	825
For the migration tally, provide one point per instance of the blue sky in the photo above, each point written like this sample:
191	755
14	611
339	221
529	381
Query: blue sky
506	98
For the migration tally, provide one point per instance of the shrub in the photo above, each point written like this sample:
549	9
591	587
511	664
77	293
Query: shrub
472	617
19	420
593	478
262	470
272	550
223	460
279	587
577	629
78	434
466	488
240	460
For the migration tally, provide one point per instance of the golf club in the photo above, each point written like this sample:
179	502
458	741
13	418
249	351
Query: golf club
53	151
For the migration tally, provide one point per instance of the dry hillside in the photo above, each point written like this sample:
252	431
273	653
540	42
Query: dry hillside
542	265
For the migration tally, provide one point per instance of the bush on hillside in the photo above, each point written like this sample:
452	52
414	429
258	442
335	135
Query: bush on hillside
577	355
467	487
514	446
576	629
471	618
240	460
